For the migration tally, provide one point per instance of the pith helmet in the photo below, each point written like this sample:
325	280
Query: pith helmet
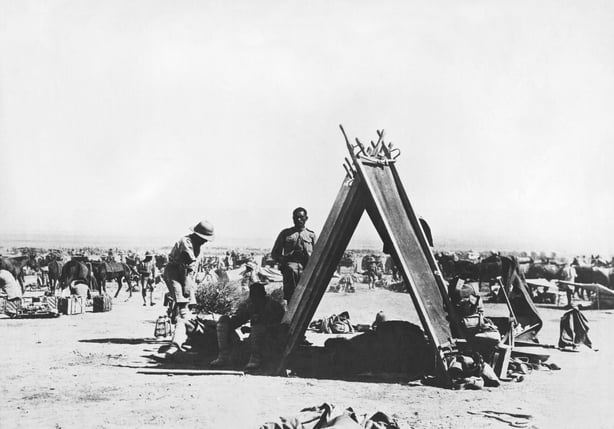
204	229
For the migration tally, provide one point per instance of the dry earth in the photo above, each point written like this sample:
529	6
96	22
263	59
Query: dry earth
81	371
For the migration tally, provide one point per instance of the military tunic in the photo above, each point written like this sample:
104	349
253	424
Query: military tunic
181	261
147	273
292	250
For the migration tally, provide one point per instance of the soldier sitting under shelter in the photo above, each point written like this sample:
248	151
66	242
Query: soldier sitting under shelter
264	315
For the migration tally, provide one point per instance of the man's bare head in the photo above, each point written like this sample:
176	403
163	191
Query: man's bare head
299	216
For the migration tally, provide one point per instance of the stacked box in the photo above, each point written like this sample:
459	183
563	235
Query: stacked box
70	305
102	303
52	303
13	307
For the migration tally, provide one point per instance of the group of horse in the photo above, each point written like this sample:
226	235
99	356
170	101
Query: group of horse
486	270
55	271
16	265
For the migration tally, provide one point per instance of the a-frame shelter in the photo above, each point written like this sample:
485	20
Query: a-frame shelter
372	184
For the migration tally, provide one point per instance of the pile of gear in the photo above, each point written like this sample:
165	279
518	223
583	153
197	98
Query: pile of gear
334	324
486	357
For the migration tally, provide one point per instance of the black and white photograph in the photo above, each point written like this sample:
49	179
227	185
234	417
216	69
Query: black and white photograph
306	215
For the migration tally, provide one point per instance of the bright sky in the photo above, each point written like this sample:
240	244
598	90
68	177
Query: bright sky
138	118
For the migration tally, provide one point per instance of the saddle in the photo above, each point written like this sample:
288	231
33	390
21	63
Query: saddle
114	267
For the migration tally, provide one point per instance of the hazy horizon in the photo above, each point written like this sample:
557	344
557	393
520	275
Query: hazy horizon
141	243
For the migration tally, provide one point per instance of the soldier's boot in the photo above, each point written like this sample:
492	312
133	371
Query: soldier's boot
256	338
180	336
223	342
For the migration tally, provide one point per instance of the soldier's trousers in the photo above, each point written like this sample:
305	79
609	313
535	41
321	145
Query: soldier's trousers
291	273
179	284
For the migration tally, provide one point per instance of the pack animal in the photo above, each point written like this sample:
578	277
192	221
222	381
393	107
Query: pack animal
54	272
549	271
16	264
107	271
597	275
75	270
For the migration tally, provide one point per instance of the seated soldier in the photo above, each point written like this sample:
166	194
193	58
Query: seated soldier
263	312
479	330
9	287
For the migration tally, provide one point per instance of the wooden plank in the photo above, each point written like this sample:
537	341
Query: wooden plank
589	286
428	253
414	265
328	250
411	251
420	234
162	371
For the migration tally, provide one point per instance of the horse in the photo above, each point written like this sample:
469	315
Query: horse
54	271
50	270
74	270
452	267
597	275
598	261
106	271
16	264
548	271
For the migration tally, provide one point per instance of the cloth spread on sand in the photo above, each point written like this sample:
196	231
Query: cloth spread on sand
325	416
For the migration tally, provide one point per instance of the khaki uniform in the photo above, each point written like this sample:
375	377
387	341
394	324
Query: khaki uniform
292	250
9	285
147	272
263	319
181	262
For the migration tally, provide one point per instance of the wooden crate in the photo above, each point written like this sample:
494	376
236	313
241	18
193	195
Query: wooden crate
102	303
70	305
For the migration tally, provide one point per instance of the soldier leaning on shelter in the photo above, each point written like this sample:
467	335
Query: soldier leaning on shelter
292	250
178	274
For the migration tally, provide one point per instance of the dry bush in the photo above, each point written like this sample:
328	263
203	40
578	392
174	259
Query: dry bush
218	298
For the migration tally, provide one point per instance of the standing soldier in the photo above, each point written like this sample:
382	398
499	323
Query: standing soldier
371	270
568	273
292	250
178	274
147	274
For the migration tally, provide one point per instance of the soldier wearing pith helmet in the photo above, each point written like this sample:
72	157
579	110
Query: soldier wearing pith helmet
178	272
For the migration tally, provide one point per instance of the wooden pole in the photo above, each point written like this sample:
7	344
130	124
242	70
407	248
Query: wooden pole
161	371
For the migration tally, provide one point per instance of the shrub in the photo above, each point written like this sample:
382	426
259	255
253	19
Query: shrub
219	298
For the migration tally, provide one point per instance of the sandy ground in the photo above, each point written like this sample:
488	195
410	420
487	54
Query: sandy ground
81	371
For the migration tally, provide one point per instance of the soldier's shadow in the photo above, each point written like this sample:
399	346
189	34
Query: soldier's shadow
199	355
